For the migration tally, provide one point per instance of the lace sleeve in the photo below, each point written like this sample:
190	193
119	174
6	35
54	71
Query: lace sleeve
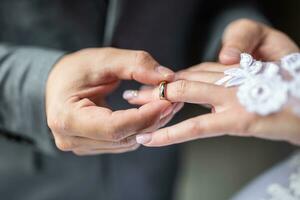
266	87
281	182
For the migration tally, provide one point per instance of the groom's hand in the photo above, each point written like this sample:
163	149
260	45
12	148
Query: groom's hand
262	41
75	100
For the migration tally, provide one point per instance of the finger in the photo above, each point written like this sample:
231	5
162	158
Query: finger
166	120
128	94
203	126
184	91
84	152
140	97
203	76
240	36
176	107
69	143
136	65
275	45
208	66
103	124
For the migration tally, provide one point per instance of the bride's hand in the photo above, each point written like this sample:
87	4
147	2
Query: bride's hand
228	117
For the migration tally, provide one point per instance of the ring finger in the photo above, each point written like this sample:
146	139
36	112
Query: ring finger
184	91
203	76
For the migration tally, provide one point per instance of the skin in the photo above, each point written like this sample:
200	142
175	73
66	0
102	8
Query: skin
228	117
75	100
263	42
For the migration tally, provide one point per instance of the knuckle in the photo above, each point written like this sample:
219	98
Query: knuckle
116	136
250	24
60	145
64	145
106	52
196	128
59	124
53	123
247	124
244	21
142	57
181	88
167	136
64	123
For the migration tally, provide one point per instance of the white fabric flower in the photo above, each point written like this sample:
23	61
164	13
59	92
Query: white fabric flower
294	87
263	95
291	63
246	60
262	89
237	76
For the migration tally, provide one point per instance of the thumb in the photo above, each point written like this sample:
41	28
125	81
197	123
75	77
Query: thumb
139	66
240	36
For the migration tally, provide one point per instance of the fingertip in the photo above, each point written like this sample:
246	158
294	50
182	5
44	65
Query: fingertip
143	139
130	94
229	55
140	97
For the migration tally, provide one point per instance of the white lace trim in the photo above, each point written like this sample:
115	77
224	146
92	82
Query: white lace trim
262	87
292	191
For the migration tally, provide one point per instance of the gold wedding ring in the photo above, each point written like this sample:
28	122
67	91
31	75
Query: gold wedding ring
162	90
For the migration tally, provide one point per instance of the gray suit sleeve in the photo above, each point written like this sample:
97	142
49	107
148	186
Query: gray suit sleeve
228	15
23	76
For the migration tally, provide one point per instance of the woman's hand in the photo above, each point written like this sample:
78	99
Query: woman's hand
195	85
228	117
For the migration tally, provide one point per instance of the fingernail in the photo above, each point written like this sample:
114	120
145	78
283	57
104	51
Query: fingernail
166	72
129	94
166	112
143	138
232	53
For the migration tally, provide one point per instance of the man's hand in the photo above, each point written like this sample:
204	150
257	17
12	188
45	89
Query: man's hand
75	100
264	42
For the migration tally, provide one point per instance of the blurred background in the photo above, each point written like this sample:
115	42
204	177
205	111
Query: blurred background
215	169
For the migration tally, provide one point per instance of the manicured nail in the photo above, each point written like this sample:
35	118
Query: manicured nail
232	53
129	94
166	72
143	138
166	112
